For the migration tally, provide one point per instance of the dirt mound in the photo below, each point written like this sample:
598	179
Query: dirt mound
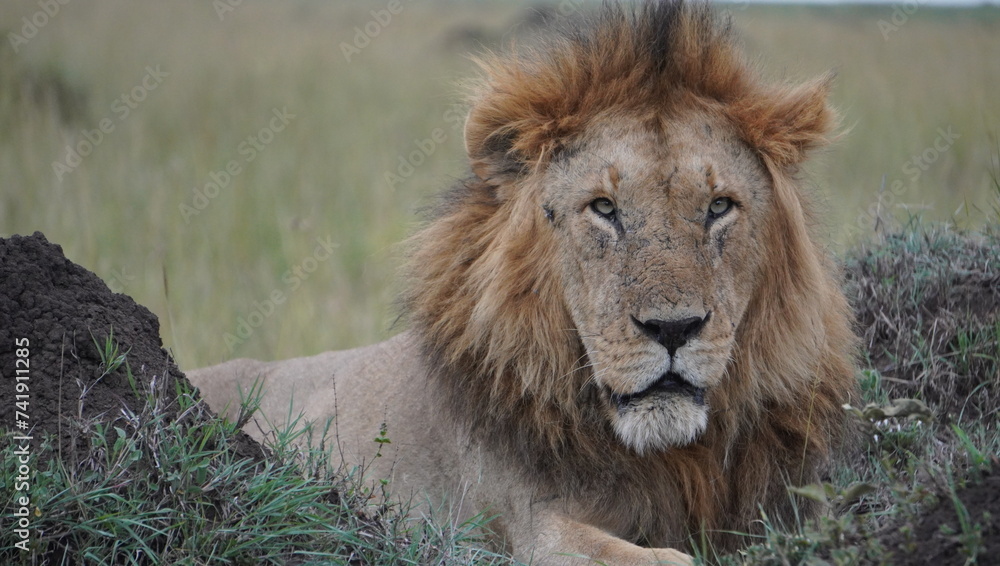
944	535
54	318
928	309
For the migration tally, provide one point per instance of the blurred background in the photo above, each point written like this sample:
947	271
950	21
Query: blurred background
247	169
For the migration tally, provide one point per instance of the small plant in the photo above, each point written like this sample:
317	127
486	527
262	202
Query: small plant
382	439
111	357
970	532
978	460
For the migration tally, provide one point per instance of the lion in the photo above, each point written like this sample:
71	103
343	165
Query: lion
623	340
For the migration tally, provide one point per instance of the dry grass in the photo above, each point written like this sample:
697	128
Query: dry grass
928	302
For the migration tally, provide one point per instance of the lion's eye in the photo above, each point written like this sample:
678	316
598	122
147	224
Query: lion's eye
719	207
603	206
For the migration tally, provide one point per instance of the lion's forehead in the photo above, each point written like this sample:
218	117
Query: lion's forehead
685	161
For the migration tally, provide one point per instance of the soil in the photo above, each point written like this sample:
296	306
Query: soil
936	536
51	313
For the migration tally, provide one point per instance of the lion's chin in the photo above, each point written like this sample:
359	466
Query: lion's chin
660	421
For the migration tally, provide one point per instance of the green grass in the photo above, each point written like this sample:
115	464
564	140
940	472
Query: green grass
159	490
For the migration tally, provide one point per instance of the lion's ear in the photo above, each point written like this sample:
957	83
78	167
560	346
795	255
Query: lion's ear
490	147
787	122
514	123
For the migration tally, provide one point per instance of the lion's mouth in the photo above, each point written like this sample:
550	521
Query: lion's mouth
671	383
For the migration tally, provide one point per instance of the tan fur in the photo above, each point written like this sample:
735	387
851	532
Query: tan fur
537	382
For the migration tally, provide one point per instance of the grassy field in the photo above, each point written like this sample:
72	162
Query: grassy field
238	182
307	215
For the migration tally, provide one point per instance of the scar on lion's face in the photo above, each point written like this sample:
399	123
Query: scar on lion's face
655	226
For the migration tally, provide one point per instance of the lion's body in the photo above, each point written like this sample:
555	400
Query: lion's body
622	332
383	384
436	460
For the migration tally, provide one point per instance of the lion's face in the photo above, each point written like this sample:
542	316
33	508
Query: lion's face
656	225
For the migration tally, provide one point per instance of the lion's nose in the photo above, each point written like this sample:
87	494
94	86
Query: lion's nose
672	334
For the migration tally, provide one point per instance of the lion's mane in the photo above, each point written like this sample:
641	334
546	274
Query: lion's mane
484	298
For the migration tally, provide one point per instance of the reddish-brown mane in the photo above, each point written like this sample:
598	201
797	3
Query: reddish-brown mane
492	315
